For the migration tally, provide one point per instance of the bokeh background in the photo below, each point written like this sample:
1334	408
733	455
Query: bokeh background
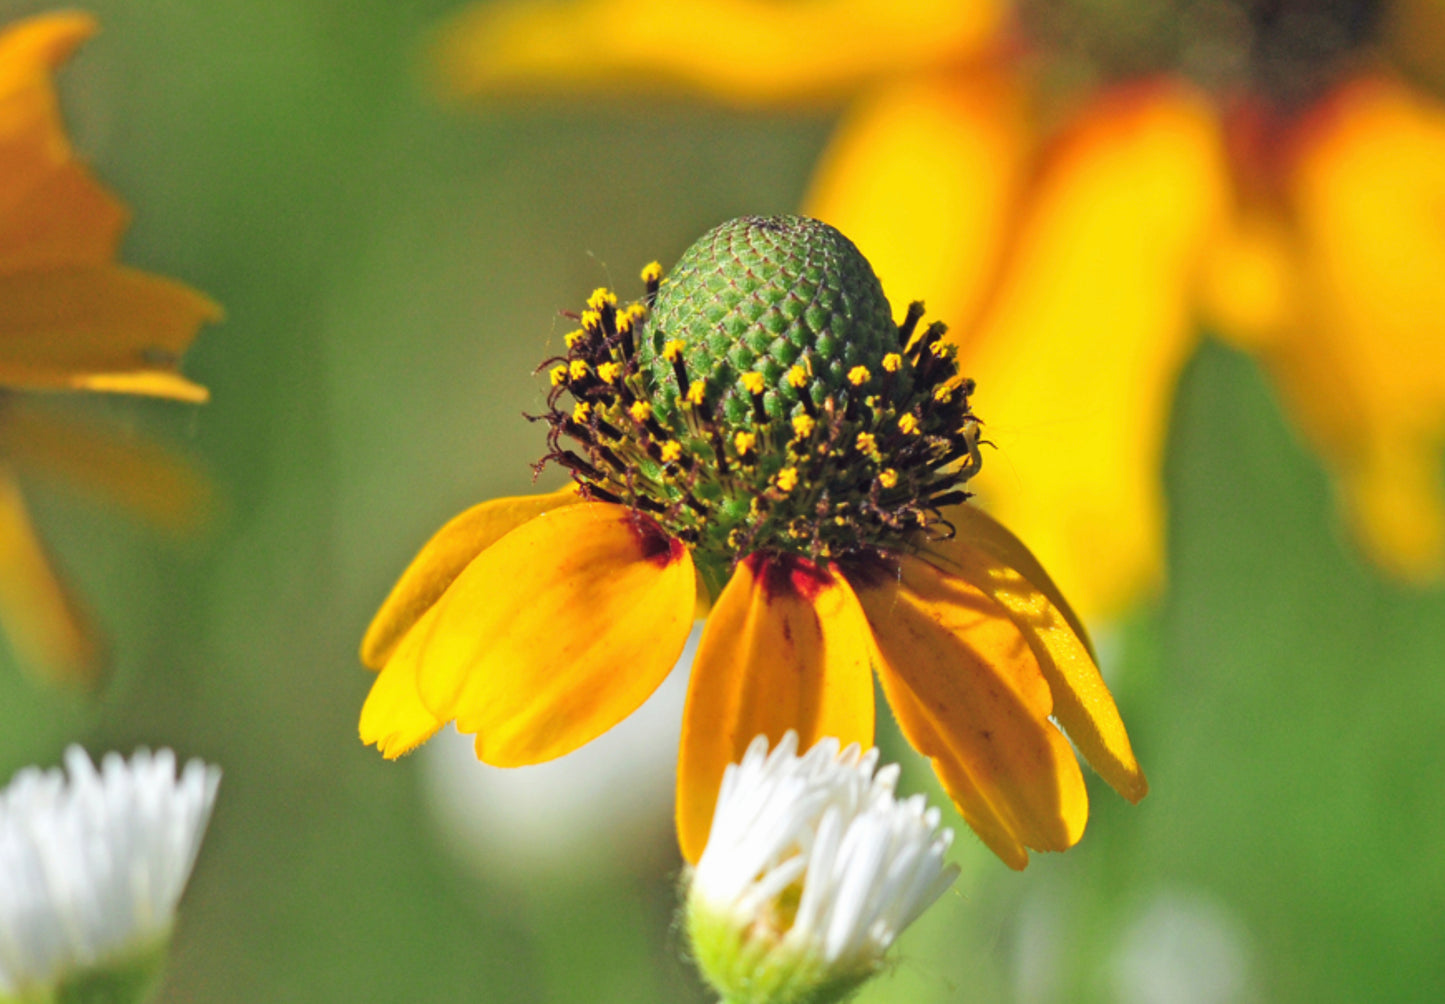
392	267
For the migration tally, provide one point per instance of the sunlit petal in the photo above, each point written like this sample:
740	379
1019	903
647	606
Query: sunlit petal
923	177
394	719
1077	359
557	632
1082	703
42	622
786	647
969	695
738	51
442	559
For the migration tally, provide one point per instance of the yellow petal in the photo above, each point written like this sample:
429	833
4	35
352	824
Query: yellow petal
968	694
394	719
442	559
1082	703
32	137
557	632
60	324
1364	367
36	45
120	467
786	647
1077	358
742	52
46	629
923	177
150	383
66	218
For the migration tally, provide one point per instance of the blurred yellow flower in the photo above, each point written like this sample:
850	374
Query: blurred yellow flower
1081	190
71	319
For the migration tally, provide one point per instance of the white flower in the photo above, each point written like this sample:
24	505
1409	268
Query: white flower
92	866
813	867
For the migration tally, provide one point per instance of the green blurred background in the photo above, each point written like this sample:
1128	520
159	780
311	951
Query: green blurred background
392	271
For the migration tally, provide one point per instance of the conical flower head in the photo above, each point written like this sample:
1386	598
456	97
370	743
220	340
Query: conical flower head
760	295
762	398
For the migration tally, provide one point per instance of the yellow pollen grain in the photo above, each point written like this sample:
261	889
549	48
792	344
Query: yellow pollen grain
867	445
624	321
787	479
602	296
753	382
908	425
797	377
636	311
672	350
591	320
573	337
609	372
858	375
940	349
943	394
577	368
580	411
670	452
888	478
557	375
803	426
892	361
745	441
652	272
641	410
696	392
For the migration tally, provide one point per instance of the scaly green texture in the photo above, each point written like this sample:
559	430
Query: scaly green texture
762	294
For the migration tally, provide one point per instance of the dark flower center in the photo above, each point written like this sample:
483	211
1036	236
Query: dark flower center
1284	52
761	399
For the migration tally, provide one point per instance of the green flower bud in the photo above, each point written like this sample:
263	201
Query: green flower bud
812	869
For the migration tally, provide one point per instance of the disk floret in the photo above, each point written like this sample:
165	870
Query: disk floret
762	398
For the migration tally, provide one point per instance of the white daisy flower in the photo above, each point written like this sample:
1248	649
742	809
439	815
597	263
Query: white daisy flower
92	866
813	867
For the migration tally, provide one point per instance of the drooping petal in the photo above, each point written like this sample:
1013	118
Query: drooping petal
442	559
394	719
923	177
57	325
786	647
557	632
47	630
742	52
968	693
1363	366
1077	357
144	476
1082	703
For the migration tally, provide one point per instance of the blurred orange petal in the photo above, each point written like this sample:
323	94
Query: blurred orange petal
923	176
786	647
119	467
62	323
743	52
1077	359
46	629
442	559
557	632
1364	367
